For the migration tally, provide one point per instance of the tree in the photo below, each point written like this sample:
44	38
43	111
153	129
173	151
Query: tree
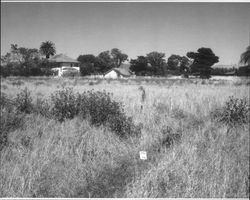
28	55
185	65
156	61
21	61
104	62
118	57
139	65
245	57
14	56
87	64
203	61
174	62
88	58
87	69
48	49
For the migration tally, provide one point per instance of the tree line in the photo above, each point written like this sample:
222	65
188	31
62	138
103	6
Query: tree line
21	61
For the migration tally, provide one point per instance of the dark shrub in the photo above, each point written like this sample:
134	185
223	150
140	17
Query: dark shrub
64	104
235	112
23	101
123	126
98	106
11	119
102	110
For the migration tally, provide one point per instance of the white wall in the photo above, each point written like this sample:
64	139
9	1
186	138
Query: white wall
111	74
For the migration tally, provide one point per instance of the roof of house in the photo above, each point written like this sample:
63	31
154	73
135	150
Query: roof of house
62	58
121	71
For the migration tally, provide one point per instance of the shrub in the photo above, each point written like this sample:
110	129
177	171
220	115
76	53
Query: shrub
23	101
11	119
123	126
234	112
102	110
98	106
64	104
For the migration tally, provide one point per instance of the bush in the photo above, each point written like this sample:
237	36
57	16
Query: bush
123	126
235	112
97	107
64	104
23	101
102	110
11	119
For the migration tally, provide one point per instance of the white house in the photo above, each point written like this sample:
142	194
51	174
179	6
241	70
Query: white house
65	65
118	73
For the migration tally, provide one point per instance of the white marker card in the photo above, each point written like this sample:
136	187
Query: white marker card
143	155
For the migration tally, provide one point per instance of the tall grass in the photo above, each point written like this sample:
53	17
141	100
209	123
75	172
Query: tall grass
189	153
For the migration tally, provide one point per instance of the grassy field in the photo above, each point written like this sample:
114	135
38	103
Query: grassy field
46	158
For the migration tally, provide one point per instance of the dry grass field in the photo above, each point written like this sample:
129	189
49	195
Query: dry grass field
202	157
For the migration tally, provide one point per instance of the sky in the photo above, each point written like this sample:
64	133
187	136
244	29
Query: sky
136	28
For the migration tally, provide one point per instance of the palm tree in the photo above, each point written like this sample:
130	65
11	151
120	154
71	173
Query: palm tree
48	49
245	57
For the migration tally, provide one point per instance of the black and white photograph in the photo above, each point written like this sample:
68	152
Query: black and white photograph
125	99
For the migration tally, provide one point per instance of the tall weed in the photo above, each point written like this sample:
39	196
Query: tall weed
235	112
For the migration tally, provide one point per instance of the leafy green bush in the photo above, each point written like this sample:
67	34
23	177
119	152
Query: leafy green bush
234	112
23	101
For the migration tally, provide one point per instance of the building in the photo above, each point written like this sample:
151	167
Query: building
118	73
66	66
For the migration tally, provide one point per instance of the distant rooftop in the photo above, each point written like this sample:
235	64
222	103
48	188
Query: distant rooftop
62	58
